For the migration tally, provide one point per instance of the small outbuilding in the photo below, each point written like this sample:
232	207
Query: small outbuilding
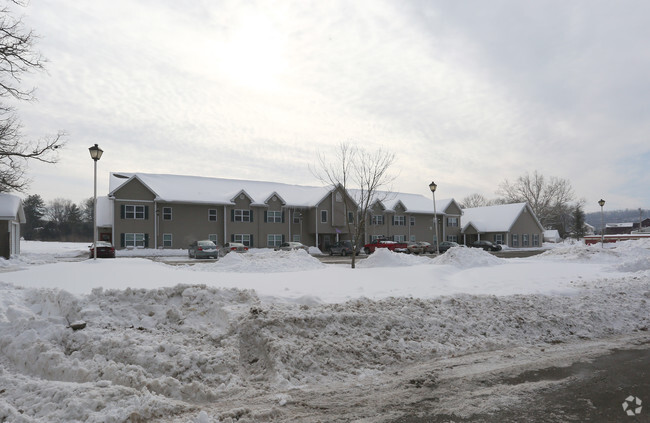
11	216
552	235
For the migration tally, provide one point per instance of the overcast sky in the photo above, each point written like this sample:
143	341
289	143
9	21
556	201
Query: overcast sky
465	93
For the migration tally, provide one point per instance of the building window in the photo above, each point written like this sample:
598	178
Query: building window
167	213
412	219
212	215
296	238
374	238
323	216
213	238
399	220
498	238
296	216
452	222
377	219
452	238
242	215
515	240
274	217
134	240
134	212
399	238
524	240
535	240
167	240
350	217
412	238
243	239
273	240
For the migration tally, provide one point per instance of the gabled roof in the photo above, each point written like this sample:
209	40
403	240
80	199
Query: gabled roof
499	218
198	189
413	203
11	207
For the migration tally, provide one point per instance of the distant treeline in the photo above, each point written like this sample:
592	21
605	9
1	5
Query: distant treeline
615	216
58	220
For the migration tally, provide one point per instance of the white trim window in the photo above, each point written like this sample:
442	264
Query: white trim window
350	217
515	240
498	238
242	215
535	240
452	238
212	215
134	240
323	216
524	240
374	238
274	217
243	239
296	216
399	238
134	212
399	220
412	220
377	219
273	240
167	240
167	213
452	222
296	237
214	238
413	238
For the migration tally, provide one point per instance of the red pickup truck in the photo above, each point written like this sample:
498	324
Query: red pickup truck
398	247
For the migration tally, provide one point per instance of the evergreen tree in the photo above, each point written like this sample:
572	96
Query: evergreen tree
34	208
579	228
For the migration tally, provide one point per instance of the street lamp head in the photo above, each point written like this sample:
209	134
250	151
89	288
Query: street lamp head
601	202
433	186
95	152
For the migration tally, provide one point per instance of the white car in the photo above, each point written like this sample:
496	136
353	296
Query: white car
289	246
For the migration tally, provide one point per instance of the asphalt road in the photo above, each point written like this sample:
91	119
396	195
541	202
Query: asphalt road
585	391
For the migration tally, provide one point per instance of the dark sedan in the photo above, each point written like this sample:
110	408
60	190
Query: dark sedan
445	245
342	248
486	245
104	250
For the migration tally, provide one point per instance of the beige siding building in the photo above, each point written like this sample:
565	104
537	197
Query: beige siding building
171	211
514	225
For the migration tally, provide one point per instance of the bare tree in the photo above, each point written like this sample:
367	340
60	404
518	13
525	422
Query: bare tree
18	57
473	200
550	198
364	176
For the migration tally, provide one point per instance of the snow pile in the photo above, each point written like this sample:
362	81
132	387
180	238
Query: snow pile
383	257
465	258
151	252
263	261
626	256
147	354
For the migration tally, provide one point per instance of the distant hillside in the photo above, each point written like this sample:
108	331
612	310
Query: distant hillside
615	216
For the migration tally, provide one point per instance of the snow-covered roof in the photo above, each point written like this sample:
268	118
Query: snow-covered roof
619	225
494	218
413	203
198	189
11	207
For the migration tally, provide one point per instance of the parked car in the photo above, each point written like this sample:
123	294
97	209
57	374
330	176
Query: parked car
486	245
445	245
104	250
289	246
203	249
228	247
420	247
343	248
398	247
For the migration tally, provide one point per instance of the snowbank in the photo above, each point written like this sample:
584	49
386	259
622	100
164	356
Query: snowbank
383	257
264	261
465	258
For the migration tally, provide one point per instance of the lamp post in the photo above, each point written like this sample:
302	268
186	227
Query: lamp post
95	154
432	187
601	203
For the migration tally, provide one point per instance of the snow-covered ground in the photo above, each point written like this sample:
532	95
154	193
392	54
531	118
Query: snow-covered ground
247	337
